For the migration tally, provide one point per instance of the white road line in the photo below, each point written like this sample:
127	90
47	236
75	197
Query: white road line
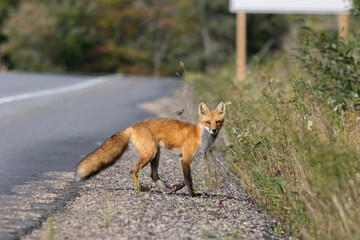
53	91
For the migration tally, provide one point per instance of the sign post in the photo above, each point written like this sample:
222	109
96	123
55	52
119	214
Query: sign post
241	7
343	25
240	45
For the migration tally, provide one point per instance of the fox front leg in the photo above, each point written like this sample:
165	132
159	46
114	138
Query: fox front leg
187	178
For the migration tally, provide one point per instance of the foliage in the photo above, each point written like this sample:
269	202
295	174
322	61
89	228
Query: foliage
356	7
294	156
75	37
120	24
5	5
141	36
48	37
333	64
265	29
30	18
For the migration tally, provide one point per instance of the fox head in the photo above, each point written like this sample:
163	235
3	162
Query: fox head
212	120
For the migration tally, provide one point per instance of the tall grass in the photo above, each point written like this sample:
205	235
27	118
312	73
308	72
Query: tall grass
294	154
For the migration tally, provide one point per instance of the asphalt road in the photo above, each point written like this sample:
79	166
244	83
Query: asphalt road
50	122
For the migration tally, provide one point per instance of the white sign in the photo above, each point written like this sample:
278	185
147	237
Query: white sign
290	6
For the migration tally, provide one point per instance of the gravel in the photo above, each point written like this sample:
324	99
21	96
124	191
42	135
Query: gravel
108	207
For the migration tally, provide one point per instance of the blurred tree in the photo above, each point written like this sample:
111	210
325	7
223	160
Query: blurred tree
356	7
5	7
159	26
265	28
29	29
205	34
119	28
217	28
134	36
75	34
49	36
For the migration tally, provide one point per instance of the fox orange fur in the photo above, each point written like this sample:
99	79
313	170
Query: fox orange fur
147	136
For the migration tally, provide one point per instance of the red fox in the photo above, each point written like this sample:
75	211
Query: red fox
188	139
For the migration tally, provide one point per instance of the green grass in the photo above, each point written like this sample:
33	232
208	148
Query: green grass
293	153
208	234
50	233
233	235
137	186
108	211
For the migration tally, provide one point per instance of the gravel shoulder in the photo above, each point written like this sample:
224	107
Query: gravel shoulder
223	210
106	206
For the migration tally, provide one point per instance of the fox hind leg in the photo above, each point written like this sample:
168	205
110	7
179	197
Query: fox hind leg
134	173
149	152
147	149
154	163
145	158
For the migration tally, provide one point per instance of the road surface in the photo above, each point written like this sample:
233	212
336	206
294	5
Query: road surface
50	122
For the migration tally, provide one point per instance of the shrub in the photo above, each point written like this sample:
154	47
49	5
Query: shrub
29	30
334	66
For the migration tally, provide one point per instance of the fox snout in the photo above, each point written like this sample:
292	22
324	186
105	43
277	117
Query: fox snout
211	131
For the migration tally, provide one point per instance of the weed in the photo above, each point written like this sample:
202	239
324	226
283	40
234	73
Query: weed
49	234
233	235
211	179
208	234
279	229
137	186
108	211
202	204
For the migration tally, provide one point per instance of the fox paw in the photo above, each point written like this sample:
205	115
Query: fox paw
176	188
196	194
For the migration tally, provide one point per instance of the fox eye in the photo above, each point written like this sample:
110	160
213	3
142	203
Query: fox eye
207	122
218	122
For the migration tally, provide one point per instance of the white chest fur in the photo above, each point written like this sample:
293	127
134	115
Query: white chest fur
206	139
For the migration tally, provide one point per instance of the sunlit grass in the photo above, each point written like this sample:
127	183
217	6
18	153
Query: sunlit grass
293	153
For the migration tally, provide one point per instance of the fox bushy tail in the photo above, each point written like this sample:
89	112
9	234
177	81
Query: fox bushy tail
105	155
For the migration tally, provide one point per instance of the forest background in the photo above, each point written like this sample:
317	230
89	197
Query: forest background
139	37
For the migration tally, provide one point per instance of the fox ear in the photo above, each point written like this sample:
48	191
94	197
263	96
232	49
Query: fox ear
220	108
203	108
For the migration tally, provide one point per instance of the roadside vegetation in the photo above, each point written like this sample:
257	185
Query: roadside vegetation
293	130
